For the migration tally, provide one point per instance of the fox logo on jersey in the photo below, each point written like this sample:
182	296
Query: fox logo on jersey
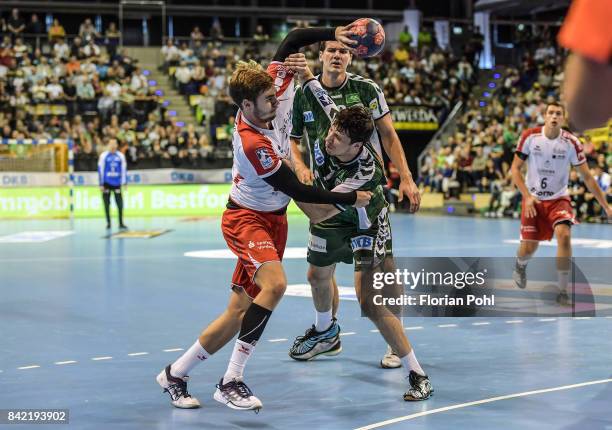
264	159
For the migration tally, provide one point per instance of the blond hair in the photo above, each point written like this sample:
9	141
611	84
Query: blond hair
248	81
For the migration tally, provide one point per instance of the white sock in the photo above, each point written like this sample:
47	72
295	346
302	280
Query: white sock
409	362
235	368
522	261
563	277
323	320
188	360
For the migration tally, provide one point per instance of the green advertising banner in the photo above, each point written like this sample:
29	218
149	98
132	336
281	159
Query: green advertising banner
139	200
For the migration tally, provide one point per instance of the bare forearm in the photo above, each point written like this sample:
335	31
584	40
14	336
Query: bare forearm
593	187
398	158
297	158
519	182
317	213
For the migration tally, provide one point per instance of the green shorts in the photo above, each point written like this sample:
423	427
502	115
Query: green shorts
336	241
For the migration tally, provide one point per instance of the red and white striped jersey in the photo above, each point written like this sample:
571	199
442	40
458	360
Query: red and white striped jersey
259	152
549	161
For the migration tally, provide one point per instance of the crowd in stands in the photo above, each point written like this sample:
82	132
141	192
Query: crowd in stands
426	75
477	157
86	89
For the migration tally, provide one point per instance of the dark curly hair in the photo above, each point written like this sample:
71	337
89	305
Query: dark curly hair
356	122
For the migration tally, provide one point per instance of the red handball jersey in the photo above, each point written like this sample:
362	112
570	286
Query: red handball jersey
258	152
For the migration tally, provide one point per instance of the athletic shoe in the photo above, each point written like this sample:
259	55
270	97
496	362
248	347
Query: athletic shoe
563	299
421	388
177	388
390	360
123	227
520	275
108	226
236	395
315	343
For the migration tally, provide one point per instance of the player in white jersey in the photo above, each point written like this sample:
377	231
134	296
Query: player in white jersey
255	222
546	209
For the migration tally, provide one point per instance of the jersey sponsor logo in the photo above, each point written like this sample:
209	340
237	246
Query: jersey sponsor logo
545	194
352	98
528	229
317	244
323	97
362	242
318	154
264	159
373	104
336	96
308	116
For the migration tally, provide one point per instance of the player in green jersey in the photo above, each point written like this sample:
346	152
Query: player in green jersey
360	235
345	89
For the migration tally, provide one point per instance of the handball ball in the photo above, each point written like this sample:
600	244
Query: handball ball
370	36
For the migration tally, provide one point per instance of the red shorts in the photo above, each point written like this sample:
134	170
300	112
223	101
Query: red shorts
549	214
256	238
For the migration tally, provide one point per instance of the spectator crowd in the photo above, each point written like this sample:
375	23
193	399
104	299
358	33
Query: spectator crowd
478	155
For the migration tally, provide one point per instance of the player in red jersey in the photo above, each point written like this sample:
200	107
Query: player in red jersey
255	222
546	209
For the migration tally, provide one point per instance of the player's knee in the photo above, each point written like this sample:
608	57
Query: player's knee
316	276
564	237
275	287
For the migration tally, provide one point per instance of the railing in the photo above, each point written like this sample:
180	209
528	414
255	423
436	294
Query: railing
436	140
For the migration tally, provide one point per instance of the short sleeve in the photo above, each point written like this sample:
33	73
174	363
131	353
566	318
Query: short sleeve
524	143
297	116
261	156
376	101
586	30
577	156
282	76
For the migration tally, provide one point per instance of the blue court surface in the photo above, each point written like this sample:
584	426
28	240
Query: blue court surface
87	322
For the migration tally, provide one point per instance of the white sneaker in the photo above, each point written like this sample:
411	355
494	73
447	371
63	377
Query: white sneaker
390	360
236	395
177	388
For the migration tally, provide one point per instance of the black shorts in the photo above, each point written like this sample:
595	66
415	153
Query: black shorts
109	187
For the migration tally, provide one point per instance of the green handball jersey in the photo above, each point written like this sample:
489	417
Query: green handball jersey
363	234
310	117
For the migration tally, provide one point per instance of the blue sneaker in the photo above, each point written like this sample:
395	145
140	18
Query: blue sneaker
315	343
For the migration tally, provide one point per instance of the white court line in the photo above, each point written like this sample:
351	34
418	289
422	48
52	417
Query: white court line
348	333
480	402
447	325
34	366
59	363
135	354
277	340
418	327
547	319
481	323
375	331
608	317
173	349
102	358
514	321
581	318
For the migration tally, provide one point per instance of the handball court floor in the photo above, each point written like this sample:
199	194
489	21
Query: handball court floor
87	322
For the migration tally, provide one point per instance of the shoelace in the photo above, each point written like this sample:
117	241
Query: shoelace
178	390
307	335
238	387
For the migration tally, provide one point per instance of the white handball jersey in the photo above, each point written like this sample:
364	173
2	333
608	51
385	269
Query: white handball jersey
258	152
549	161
